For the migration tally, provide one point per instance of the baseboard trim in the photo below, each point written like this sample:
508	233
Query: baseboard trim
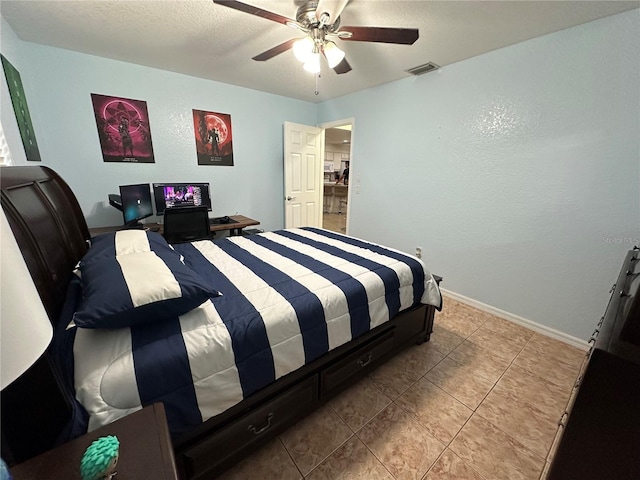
542	329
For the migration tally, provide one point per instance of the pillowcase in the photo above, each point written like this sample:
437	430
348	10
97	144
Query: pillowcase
139	287
123	242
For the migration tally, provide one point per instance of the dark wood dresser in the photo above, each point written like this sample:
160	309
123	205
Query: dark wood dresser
599	436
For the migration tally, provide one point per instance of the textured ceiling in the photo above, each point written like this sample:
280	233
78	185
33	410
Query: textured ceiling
337	136
202	39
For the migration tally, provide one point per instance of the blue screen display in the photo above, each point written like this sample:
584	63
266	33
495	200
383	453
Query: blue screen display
136	202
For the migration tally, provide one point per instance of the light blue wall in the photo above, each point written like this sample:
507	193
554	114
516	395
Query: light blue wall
59	84
517	171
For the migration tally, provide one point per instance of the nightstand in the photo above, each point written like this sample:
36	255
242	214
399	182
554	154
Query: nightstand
145	451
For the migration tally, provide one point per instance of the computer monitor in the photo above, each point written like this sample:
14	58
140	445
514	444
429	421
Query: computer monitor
136	203
176	195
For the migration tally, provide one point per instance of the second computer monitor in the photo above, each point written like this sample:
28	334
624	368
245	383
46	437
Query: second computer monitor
135	204
176	195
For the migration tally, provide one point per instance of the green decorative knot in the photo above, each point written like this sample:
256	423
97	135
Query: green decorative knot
100	459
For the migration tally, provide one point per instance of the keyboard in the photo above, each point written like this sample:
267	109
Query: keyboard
218	221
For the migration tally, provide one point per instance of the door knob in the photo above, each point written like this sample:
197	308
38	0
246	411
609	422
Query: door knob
291	198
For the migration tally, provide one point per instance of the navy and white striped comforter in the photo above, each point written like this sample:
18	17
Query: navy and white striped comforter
288	297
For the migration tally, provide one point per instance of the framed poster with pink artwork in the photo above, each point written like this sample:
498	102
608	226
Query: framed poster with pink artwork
214	140
123	129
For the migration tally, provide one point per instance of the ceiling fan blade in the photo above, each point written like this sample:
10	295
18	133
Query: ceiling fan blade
277	50
243	7
405	36
333	8
342	67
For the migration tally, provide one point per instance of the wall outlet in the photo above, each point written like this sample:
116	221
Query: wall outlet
419	252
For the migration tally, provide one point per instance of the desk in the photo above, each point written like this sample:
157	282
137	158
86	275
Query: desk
145	451
235	229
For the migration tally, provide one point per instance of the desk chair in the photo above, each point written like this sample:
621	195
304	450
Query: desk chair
186	224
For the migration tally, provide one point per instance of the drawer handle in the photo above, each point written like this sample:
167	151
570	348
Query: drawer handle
256	431
364	363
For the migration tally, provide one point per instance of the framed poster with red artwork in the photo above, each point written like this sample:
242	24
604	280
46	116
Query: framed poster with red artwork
123	129
214	140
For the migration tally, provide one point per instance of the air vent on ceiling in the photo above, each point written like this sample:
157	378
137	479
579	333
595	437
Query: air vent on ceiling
422	69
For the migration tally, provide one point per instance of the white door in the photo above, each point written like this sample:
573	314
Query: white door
303	170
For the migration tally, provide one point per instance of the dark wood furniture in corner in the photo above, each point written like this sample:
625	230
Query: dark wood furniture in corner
145	451
235	229
600	436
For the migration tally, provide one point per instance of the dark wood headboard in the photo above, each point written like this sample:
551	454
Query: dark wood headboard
52	234
49	226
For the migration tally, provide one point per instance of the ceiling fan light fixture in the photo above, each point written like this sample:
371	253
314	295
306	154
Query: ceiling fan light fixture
312	65
333	53
303	49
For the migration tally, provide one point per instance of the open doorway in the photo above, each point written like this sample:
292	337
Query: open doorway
337	167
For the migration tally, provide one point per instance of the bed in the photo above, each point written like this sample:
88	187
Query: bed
238	337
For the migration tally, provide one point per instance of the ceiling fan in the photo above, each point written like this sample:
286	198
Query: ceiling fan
320	21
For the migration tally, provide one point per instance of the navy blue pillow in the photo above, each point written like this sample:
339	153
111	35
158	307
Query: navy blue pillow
124	242
141	287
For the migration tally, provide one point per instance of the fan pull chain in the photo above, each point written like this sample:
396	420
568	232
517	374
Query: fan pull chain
317	78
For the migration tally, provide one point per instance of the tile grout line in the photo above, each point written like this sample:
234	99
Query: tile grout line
475	412
355	432
499	427
323	459
330	454
375	456
291	457
462	460
393	400
446	445
559	432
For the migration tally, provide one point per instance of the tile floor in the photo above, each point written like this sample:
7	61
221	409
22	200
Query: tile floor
479	401
336	222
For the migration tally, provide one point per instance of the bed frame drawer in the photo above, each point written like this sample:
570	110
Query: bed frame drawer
215	453
357	363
